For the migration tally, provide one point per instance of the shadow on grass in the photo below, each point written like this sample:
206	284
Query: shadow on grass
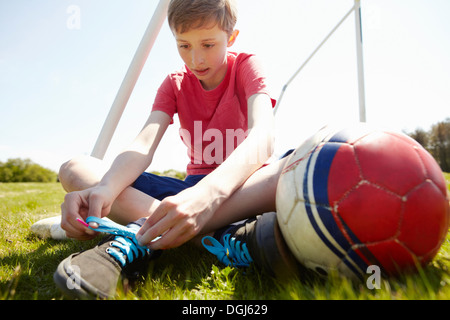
190	272
32	277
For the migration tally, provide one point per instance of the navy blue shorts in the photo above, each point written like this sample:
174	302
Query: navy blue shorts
160	187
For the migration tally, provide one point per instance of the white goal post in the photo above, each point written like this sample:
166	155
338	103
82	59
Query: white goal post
359	56
131	77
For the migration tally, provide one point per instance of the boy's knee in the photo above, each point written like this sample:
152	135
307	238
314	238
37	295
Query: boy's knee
66	173
71	171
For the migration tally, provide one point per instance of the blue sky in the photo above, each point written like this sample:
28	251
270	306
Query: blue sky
57	83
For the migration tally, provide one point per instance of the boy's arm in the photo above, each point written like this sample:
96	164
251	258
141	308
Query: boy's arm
251	154
181	217
139	154
127	166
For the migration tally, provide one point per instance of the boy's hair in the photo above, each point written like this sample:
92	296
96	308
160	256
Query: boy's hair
184	15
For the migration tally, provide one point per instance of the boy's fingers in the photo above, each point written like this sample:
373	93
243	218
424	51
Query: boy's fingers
173	238
70	209
96	204
70	218
159	213
153	229
166	234
149	233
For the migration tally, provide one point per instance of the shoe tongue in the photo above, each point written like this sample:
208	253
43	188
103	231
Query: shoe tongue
124	249
238	230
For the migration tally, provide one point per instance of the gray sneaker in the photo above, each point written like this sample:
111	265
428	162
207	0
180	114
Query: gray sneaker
94	273
257	240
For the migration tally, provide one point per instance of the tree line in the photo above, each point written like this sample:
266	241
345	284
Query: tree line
25	170
436	141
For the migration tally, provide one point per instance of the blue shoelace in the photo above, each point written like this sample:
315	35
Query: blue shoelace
231	253
125	240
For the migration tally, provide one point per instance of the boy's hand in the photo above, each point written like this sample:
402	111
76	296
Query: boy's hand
178	219
79	205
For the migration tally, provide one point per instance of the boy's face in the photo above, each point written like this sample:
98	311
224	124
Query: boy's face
204	51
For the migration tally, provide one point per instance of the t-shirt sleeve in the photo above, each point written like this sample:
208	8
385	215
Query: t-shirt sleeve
165	99
253	79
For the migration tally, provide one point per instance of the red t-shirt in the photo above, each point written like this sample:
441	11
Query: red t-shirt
213	123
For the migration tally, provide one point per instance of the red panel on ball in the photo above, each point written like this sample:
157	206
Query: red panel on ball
371	213
425	220
390	162
393	257
344	174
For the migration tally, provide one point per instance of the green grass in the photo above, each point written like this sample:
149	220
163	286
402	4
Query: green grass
28	262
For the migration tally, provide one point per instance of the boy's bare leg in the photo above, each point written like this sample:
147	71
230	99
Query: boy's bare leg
85	172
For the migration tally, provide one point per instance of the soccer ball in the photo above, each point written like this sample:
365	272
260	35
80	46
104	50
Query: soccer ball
349	198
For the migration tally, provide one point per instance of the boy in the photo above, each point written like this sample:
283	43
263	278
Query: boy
226	121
